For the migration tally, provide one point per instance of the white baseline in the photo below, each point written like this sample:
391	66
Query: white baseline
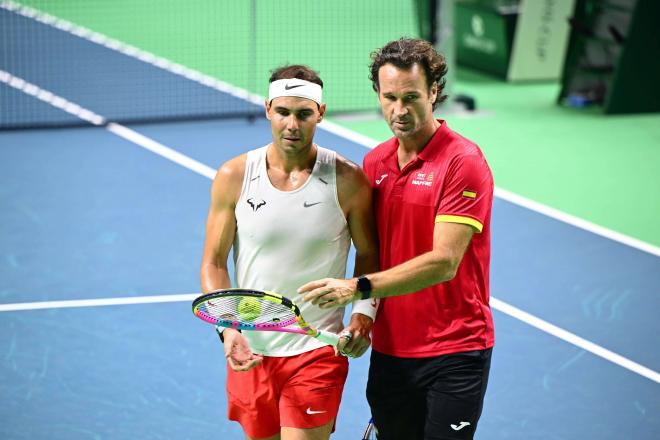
494	302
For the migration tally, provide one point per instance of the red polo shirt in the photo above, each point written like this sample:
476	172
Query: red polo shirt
449	181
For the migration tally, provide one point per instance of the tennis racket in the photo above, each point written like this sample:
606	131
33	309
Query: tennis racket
259	310
370	433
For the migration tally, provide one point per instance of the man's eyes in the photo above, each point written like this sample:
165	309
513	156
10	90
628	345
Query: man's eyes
406	98
300	115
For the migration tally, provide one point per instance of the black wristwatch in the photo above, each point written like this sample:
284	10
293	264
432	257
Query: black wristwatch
364	287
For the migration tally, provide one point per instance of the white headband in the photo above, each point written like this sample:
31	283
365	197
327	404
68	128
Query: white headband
295	87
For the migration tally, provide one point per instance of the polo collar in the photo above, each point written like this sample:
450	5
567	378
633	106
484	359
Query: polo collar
435	144
428	153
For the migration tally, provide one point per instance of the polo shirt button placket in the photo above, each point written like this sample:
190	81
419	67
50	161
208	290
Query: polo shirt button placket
399	186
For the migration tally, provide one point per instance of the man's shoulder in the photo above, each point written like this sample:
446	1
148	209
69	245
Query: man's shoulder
464	154
380	150
347	169
352	183
459	145
233	169
228	181
386	145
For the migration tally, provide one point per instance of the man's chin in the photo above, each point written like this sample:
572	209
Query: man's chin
401	131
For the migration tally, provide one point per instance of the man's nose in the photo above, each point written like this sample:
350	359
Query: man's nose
399	108
292	123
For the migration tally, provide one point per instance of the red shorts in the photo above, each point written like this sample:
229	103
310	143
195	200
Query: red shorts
302	391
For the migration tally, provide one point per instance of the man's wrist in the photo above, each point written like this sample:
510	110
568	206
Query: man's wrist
221	330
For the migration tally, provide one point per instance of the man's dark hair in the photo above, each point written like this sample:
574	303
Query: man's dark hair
296	71
405	52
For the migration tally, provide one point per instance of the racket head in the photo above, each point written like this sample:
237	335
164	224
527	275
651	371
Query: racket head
246	309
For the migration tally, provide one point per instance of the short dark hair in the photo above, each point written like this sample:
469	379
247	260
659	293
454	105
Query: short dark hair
404	53
299	71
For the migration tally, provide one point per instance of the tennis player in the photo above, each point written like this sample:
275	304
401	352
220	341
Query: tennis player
289	211
433	192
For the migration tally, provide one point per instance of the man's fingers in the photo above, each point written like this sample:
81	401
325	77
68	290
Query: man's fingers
311	286
312	294
364	346
356	347
327	305
345	338
253	363
243	363
248	365
349	347
331	299
234	365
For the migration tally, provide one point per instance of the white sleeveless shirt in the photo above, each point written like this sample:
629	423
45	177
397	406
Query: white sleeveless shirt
285	239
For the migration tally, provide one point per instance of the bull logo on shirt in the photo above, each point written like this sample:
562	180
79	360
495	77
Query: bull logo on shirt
255	204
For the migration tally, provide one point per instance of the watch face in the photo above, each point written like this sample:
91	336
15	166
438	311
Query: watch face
364	286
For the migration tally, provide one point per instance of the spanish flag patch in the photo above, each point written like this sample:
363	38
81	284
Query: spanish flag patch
469	194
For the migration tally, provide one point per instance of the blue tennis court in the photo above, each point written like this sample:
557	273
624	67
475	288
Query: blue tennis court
102	230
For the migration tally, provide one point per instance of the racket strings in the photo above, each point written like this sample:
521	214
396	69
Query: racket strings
255	312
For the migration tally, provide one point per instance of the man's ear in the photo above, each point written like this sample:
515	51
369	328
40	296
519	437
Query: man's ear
321	112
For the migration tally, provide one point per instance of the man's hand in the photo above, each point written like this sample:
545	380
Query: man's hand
329	292
359	327
238	352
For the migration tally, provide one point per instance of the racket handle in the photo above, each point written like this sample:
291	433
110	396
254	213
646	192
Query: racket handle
328	338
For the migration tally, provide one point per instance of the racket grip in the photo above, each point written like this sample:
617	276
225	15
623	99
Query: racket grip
328	338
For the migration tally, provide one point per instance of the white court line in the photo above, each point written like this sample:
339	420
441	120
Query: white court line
161	150
494	302
206	171
574	339
576	221
117	129
39	305
193	75
51	98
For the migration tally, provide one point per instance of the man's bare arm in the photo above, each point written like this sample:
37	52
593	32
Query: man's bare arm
355	197
221	225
